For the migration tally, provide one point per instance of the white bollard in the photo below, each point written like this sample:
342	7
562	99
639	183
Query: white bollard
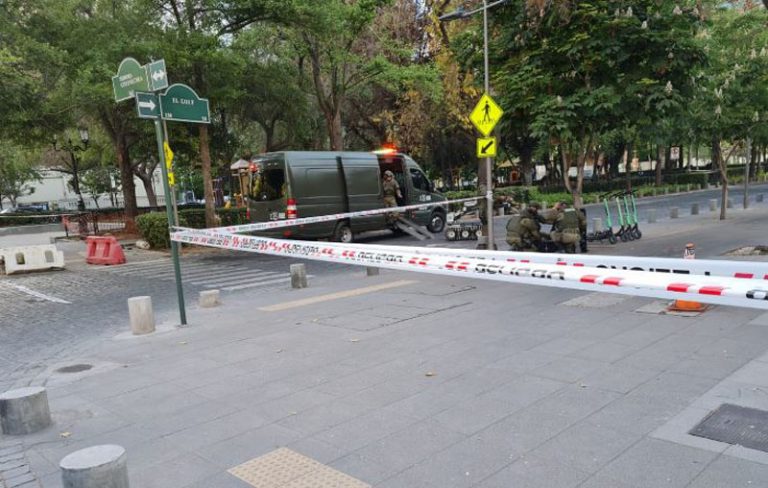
209	299
651	215
24	411
673	212
729	203
371	271
694	209
597	224
759	198
713	205
298	276
102	466
141	314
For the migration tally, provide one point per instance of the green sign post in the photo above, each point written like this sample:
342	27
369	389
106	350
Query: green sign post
135	81
180	103
130	78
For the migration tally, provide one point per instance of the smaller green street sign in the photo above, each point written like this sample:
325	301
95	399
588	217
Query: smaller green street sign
131	77
180	103
158	77
147	105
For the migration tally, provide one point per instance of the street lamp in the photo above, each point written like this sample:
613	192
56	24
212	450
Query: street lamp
72	148
484	173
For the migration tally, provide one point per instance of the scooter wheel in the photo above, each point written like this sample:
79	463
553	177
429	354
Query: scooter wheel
612	239
638	234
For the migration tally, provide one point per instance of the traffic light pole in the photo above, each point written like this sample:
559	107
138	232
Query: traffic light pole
169	211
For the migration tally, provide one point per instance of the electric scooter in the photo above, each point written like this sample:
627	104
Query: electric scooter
624	232
635	228
606	233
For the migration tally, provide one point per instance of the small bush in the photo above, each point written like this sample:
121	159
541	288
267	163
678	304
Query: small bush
153	227
195	217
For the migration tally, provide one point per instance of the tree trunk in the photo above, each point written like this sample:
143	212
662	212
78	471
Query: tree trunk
205	160
129	188
752	161
628	152
149	190
333	124
660	161
717	158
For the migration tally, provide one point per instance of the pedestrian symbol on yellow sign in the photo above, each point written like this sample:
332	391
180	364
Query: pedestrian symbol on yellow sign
486	147
486	115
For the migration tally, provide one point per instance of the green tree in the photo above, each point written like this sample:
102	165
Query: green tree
16	172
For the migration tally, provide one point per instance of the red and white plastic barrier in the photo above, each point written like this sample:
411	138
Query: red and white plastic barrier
708	289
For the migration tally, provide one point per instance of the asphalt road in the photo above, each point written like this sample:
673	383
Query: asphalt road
71	309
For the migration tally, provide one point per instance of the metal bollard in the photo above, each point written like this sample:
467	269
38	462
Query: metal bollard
759	198
298	276
652	216
694	209
713	205
673	212
141	314
209	299
371	271
24	411
104	466
597	224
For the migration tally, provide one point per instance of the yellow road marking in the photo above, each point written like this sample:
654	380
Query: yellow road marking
335	296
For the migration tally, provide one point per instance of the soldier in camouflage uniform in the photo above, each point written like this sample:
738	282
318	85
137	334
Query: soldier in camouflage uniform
567	226
391	189
523	229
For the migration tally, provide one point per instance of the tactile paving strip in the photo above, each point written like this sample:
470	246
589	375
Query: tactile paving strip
284	468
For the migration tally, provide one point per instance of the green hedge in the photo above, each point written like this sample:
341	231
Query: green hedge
153	227
195	217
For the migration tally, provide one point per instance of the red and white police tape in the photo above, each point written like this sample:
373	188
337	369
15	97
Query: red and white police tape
708	289
278	224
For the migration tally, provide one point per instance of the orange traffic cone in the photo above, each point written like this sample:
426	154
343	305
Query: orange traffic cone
687	305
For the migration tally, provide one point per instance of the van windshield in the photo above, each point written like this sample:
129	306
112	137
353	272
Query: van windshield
267	185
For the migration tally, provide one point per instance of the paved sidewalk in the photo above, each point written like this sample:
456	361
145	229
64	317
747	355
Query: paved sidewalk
422	382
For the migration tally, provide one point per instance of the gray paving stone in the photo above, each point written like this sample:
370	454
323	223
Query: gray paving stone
180	471
410	446
325	416
364	468
622	379
221	480
708	366
675	387
12	473
568	369
638	414
731	472
607	352
367	429
562	346
586	447
601	481
658	463
20	480
247	445
535	472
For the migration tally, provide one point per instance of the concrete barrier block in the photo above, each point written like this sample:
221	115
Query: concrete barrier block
24	411
651	215
141	314
31	258
713	205
597	224
209	299
674	213
371	271
298	276
694	209
104	466
759	198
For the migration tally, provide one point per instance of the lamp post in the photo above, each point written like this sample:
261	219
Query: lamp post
485	167
72	148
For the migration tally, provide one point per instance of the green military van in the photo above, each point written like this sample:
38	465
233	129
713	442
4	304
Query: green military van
293	184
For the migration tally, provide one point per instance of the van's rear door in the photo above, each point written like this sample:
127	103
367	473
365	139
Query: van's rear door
268	189
363	185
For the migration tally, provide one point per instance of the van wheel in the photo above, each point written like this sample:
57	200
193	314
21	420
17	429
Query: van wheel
342	233
436	222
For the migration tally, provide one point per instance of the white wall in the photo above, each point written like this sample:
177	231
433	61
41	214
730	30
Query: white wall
55	191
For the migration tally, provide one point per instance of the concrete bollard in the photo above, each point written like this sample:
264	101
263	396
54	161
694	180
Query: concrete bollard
24	411
209	299
543	206
141	314
371	271
759	198
298	276
673	213
651	215
729	203
687	187
713	205
694	209
102	466
597	224
597	199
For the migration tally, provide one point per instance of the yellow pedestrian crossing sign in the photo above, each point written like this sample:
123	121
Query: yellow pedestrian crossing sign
486	115
486	147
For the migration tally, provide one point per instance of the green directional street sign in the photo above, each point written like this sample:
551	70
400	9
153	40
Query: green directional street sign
147	105
158	77
131	77
181	104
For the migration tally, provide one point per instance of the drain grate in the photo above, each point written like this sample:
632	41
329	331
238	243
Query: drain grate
736	425
75	368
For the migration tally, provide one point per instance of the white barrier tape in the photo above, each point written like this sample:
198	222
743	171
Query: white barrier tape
707	289
277	224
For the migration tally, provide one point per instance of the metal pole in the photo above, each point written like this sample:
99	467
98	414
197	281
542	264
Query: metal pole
746	172
169	212
173	188
487	162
